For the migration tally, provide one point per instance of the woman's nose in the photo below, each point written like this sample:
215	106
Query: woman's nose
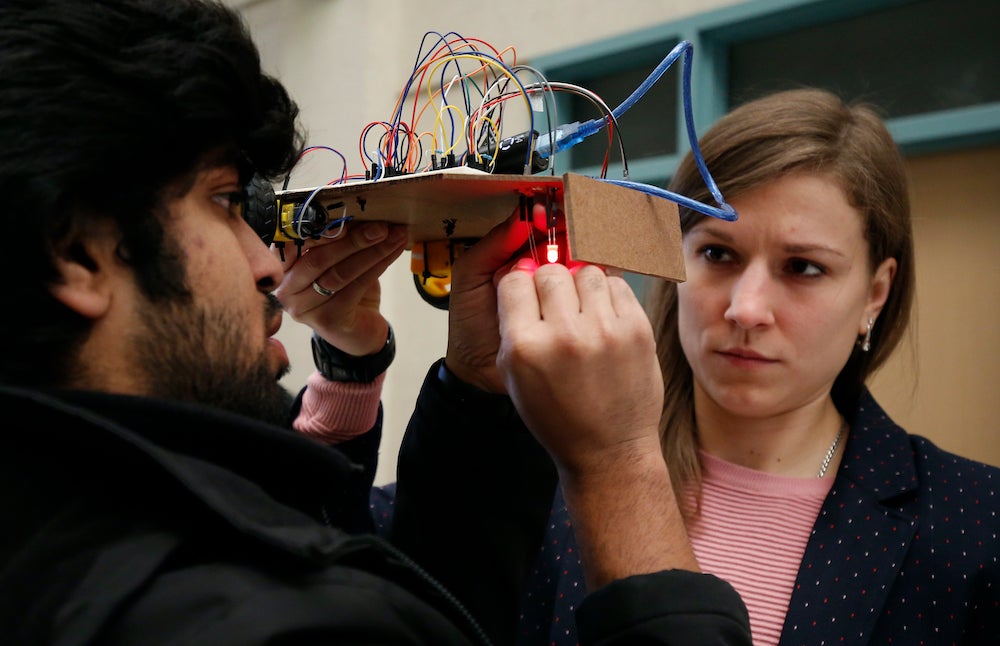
751	301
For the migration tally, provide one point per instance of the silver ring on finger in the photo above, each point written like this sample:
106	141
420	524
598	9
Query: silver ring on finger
323	291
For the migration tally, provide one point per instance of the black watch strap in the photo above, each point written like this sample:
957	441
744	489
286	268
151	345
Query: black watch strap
336	365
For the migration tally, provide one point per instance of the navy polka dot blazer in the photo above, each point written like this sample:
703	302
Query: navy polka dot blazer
906	550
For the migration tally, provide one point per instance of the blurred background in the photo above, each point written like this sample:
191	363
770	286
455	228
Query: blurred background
932	65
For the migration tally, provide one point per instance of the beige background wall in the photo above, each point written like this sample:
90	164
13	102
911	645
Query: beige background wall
943	383
345	62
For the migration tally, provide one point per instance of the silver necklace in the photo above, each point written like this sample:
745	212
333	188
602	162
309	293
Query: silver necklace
833	449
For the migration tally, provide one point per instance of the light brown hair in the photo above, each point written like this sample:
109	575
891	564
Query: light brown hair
758	142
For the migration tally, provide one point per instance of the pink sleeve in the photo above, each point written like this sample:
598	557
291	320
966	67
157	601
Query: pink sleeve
335	411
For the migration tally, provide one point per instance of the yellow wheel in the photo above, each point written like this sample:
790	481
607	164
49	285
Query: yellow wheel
430	263
435	291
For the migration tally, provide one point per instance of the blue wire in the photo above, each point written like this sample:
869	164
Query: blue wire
364	136
343	175
699	160
653	77
724	210
397	118
298	214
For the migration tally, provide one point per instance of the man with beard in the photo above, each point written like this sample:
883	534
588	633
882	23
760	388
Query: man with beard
152	490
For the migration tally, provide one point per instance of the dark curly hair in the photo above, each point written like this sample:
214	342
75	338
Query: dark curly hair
104	104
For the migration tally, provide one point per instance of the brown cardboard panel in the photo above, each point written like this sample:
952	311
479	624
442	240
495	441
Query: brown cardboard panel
606	224
622	227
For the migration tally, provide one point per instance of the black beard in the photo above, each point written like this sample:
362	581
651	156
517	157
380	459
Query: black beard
193	354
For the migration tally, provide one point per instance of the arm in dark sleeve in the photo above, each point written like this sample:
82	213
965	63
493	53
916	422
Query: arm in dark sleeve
670	607
474	491
229	604
354	513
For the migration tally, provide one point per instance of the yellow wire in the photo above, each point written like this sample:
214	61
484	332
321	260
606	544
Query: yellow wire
486	63
428	72
496	140
440	122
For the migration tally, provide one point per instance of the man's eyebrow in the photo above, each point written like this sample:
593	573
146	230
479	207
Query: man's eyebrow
225	157
220	173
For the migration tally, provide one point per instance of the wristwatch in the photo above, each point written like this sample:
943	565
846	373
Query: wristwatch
336	365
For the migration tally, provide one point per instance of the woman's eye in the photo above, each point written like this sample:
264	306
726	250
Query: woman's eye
805	268
716	254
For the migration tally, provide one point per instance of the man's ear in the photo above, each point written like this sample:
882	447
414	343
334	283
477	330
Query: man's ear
88	267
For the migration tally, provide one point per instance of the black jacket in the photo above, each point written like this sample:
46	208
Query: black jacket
131	521
135	521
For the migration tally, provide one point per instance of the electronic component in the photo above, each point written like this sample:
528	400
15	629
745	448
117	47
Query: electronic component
278	222
508	155
594	221
444	167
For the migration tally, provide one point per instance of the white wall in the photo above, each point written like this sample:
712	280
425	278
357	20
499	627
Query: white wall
345	62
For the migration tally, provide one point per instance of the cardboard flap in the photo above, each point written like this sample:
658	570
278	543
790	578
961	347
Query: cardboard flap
622	227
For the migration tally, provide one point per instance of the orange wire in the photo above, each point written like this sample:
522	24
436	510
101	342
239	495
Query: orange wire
435	57
449	48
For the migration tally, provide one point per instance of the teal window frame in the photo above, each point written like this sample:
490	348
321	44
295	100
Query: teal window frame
711	35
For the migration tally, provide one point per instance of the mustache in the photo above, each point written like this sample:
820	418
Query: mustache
274	306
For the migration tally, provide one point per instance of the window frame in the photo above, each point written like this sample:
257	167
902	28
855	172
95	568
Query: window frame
711	34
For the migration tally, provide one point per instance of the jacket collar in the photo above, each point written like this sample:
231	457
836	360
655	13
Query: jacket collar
878	456
262	480
862	534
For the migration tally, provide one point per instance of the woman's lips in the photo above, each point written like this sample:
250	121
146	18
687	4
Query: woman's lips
745	357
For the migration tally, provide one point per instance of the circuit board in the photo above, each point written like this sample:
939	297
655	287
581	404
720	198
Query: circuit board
606	224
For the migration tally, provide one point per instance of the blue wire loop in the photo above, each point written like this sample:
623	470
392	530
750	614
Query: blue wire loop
723	211
564	136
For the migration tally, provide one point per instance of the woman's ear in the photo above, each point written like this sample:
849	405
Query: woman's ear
87	267
880	287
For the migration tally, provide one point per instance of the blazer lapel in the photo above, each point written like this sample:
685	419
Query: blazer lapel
859	540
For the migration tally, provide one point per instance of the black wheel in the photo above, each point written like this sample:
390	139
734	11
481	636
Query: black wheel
438	300
260	208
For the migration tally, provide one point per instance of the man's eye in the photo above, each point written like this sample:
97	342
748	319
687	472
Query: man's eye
232	202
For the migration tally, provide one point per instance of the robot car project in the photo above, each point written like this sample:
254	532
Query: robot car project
458	178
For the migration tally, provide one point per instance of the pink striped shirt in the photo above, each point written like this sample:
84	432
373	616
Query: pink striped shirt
752	532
